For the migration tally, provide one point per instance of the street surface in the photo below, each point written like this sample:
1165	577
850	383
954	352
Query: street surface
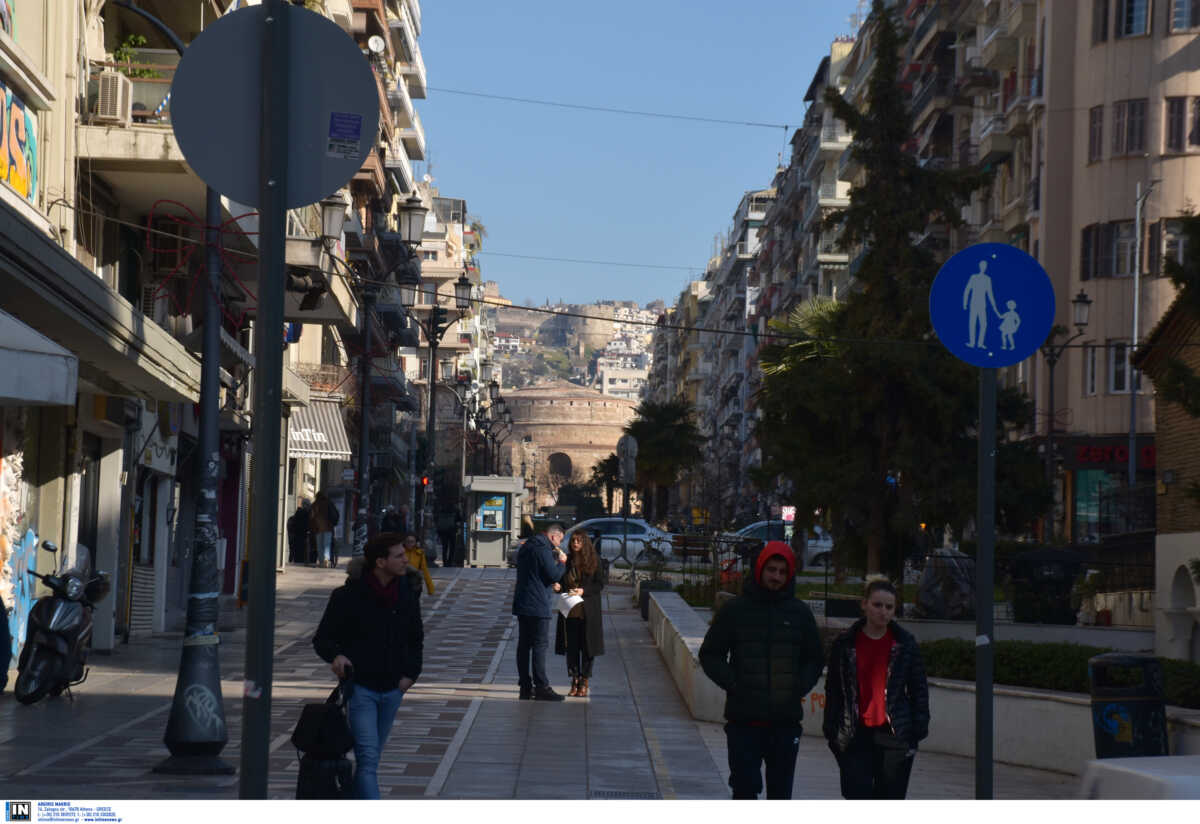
460	733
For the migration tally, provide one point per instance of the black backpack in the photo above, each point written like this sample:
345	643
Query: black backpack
334	516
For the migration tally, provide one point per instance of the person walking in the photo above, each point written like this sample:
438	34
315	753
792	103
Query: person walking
540	567
417	560
580	634
371	633
297	532
876	700
321	522
764	650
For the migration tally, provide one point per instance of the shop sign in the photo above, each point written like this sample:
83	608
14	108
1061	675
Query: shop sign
1094	456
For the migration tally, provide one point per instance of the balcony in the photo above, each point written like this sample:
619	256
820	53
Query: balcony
931	24
995	144
999	50
1017	117
414	138
414	13
967	154
1013	216
834	137
931	97
412	69
830	196
977	79
1022	18
828	251
1034	92
371	174
370	17
849	168
397	161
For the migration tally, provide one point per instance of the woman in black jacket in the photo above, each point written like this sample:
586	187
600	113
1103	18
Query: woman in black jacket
580	635
876	700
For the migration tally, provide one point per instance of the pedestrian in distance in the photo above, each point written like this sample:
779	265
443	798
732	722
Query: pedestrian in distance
372	631
445	531
540	567
297	532
763	648
580	634
876	700
322	519
417	560
392	522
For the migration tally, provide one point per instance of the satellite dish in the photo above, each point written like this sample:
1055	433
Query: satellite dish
427	178
375	44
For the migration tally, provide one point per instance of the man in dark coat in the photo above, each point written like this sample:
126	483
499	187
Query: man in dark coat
371	633
764	650
540	567
297	531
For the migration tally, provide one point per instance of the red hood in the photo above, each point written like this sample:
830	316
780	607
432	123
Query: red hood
772	549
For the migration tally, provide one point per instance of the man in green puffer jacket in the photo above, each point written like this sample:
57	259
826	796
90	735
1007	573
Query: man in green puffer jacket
764	650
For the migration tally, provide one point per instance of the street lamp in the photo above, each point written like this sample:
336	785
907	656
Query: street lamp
333	216
412	220
1080	308
462	292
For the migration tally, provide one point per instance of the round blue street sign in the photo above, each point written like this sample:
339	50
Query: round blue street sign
992	305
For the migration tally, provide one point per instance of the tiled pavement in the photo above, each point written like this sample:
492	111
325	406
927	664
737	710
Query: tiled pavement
460	733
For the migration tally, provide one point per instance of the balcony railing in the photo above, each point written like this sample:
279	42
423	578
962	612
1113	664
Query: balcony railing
938	86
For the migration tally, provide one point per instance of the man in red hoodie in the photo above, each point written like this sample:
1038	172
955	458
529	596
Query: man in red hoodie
764	650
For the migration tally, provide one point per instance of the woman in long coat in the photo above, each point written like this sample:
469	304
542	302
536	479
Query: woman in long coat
580	635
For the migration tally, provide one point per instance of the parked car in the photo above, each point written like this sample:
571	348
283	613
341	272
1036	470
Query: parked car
818	550
606	536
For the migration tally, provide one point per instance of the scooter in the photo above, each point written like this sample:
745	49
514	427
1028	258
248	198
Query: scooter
54	657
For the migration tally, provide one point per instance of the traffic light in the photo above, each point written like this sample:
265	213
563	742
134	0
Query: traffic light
425	480
440	319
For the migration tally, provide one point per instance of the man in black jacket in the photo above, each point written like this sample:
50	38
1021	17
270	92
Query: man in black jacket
540	566
371	632
764	650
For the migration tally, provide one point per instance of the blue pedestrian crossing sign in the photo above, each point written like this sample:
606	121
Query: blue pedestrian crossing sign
992	305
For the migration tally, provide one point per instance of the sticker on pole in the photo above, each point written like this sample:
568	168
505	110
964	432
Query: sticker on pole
345	131
992	305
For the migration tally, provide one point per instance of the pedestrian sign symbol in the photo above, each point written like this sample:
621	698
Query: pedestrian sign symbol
992	305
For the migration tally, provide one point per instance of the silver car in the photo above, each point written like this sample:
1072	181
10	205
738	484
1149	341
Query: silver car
606	533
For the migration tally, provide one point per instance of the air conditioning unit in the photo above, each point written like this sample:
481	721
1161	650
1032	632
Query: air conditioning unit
115	103
155	301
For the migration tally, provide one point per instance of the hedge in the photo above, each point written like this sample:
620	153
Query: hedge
1061	667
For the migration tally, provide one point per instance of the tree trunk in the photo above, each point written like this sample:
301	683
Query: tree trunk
608	489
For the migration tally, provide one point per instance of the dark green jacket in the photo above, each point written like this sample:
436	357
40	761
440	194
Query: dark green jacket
764	650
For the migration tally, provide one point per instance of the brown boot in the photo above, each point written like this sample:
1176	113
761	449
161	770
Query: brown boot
574	686
583	688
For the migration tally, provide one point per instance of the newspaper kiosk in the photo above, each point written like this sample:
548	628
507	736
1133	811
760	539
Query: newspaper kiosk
493	524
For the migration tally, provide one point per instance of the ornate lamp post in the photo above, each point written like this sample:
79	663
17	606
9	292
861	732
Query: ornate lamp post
1052	351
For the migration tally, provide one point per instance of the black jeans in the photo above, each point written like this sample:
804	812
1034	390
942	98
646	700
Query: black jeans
579	663
876	765
750	746
447	539
533	636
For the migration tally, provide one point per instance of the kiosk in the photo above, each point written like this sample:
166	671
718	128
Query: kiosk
493	523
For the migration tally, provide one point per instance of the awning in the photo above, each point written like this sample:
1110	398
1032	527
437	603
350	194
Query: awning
316	431
36	369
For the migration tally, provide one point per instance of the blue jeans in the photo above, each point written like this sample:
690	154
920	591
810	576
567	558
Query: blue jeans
533	637
371	715
324	543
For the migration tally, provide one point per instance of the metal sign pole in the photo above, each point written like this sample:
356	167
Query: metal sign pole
985	648
268	359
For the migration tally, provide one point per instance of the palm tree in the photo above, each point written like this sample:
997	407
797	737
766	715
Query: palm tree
606	475
668	443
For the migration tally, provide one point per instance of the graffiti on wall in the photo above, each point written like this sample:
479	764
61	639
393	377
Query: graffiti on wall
18	145
23	559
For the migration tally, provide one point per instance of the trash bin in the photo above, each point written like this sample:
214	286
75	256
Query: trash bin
1129	714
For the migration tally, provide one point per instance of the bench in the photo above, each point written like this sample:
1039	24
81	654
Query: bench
691	546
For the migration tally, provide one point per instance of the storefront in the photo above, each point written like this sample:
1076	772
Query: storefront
1094	467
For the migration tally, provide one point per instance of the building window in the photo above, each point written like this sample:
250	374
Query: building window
1129	127
1167	242
1176	124
1185	14
1123	249
1099	21
1119	369
1095	133
1089	369
429	254
1133	18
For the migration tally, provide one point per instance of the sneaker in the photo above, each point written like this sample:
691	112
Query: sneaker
526	694
547	694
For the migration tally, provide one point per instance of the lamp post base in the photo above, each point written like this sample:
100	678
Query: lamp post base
194	765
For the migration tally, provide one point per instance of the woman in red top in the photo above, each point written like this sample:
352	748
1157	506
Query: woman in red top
876	700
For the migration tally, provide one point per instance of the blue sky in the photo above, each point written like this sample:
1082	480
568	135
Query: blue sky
575	184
